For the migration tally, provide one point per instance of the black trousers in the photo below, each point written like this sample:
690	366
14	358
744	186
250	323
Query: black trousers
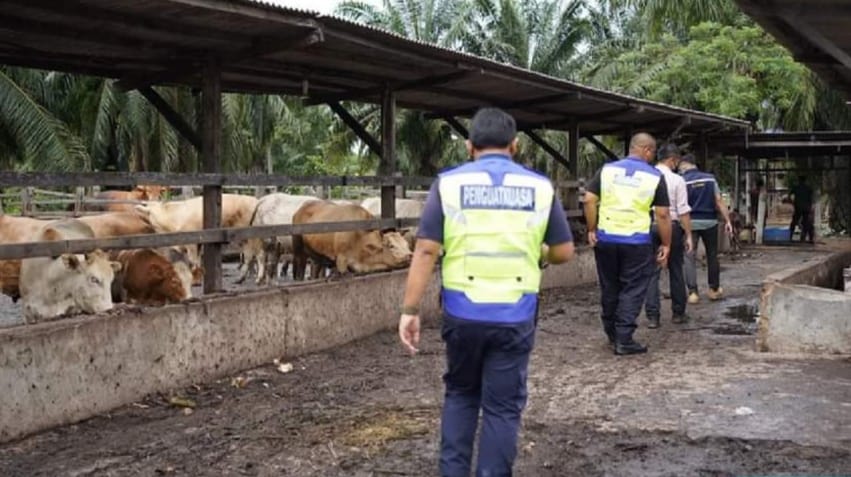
652	307
807	226
624	273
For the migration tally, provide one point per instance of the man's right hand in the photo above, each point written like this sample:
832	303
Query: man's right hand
592	237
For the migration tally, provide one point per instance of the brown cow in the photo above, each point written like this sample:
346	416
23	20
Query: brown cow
359	250
151	278
140	193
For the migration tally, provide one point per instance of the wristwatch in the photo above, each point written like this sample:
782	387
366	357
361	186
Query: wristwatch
410	310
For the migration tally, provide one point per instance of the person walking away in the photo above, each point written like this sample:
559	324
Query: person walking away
802	195
681	242
492	216
704	198
625	191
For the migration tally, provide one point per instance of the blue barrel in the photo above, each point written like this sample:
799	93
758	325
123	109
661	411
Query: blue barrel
776	234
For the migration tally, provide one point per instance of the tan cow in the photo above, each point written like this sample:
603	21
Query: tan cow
359	251
118	224
139	193
68	284
405	208
153	277
188	215
15	230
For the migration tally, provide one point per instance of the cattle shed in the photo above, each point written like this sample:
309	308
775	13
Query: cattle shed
243	46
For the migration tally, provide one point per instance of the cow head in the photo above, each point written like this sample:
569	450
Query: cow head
149	192
187	270
379	252
88	281
155	214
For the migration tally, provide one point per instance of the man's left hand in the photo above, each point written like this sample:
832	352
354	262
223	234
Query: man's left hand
409	332
689	244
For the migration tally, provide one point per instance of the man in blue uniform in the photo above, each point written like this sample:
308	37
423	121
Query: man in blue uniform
625	191
704	198
492	217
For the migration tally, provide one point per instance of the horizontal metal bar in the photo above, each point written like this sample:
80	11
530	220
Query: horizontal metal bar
52	249
46	179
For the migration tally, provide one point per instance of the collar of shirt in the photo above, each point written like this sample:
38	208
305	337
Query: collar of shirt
494	155
664	168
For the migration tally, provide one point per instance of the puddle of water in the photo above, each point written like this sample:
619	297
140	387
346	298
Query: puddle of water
746	313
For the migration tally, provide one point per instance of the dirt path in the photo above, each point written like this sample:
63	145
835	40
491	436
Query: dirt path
365	409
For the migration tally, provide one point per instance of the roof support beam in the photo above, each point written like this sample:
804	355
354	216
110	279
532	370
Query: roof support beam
398	86
357	128
457	126
259	48
547	147
173	117
815	37
506	105
611	156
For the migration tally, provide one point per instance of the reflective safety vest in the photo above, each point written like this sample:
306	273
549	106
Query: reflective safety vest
627	189
701	194
495	217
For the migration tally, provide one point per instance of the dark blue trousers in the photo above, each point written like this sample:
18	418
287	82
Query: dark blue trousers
624	272
487	366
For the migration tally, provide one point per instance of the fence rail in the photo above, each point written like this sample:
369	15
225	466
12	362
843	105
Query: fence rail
207	236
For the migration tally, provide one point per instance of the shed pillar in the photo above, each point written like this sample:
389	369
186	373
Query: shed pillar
387	166
571	198
211	110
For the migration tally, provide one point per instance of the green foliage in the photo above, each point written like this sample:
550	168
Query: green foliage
738	71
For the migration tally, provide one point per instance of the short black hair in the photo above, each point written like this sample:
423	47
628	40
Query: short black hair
688	158
668	150
492	128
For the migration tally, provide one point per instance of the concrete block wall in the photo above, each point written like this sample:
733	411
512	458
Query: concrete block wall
798	315
64	371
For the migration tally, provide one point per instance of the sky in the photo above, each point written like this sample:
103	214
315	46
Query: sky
321	6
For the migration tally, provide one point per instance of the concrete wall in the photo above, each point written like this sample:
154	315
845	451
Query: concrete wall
798	316
60	372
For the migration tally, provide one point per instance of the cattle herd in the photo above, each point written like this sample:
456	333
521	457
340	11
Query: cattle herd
50	287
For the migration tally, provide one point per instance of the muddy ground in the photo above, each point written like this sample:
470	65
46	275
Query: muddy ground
701	403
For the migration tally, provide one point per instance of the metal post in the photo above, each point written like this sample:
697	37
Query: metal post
388	152
571	198
736	197
211	110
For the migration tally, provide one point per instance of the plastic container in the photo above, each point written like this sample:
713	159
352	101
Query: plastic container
775	234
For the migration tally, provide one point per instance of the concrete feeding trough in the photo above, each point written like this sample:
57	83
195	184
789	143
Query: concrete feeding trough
807	309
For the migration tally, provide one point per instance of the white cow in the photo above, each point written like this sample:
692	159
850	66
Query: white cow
272	209
405	209
70	283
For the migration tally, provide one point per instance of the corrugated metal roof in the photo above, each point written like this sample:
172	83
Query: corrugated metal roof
268	48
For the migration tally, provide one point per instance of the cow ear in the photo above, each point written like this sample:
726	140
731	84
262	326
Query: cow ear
116	266
197	273
70	261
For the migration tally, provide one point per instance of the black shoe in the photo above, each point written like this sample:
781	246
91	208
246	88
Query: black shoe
653	322
629	348
680	319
